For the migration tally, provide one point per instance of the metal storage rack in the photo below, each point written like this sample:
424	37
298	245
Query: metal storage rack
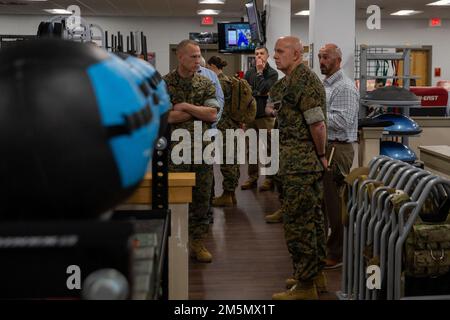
370	53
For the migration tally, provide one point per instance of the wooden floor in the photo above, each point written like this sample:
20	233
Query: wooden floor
250	257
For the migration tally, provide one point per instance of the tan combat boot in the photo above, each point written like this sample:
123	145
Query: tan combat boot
267	185
225	200
249	184
300	291
275	217
199	252
234	198
320	281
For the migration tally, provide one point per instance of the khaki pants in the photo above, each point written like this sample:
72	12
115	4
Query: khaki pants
333	186
258	124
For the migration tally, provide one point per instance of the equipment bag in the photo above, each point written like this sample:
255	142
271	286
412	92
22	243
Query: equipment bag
243	105
427	250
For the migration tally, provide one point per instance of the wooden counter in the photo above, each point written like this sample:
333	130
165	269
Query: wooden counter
180	189
436	158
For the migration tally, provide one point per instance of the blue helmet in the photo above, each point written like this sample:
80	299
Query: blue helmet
402	125
397	151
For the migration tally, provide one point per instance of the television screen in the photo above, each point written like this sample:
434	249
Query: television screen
235	37
254	21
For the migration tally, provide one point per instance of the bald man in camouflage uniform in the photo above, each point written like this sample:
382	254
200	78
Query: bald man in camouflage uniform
194	99
301	121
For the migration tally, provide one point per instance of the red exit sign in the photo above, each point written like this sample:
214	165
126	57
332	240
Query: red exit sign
207	21
435	22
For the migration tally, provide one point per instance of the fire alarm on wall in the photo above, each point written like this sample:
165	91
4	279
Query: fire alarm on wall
435	22
437	72
207	21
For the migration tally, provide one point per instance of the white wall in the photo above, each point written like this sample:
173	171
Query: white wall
397	32
160	32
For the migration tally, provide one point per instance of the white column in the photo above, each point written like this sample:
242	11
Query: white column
332	21
278	24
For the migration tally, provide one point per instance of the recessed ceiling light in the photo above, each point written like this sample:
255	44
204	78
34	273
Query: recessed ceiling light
58	11
211	1
440	3
208	12
405	13
303	13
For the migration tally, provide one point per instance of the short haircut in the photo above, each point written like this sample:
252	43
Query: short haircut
262	48
218	62
183	44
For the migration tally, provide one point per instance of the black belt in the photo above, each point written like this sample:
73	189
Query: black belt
339	142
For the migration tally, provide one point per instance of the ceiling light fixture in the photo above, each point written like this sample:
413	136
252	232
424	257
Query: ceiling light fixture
405	13
303	13
208	12
211	1
440	3
58	11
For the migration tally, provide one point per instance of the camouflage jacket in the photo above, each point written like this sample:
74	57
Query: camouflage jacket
197	90
225	83
303	103
277	91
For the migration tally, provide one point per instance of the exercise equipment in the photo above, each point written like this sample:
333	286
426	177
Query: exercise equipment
77	29
77	132
397	151
400	124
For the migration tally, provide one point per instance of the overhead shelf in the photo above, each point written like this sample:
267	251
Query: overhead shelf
385	56
389	77
387	103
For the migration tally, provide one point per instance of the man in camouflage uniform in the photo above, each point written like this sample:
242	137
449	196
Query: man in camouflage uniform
230	172
194	99
275	95
301	121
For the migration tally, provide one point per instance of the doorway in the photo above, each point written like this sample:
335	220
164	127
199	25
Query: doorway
420	66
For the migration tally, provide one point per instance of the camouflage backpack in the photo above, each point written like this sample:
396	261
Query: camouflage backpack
243	105
427	248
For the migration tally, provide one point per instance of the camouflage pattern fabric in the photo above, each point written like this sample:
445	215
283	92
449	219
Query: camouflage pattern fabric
427	250
197	90
276	94
303	101
230	172
304	224
201	193
301	172
259	124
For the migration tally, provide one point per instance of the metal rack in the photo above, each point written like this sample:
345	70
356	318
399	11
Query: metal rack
368	54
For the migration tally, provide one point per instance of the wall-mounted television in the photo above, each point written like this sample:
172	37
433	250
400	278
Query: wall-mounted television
255	22
235	37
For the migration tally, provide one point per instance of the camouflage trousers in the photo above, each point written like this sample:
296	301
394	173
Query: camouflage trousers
230	172
278	187
258	124
304	223
198	209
